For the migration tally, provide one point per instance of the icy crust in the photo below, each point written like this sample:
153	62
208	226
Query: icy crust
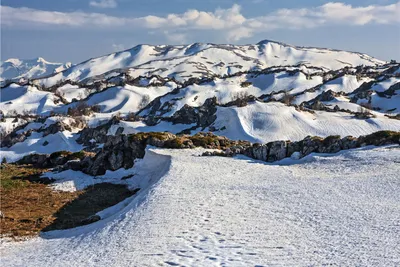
205	211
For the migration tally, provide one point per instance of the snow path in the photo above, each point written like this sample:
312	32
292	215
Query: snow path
341	209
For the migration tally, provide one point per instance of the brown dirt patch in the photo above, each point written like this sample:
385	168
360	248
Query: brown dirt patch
29	206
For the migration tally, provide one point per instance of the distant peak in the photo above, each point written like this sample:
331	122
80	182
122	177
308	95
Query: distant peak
266	41
14	61
40	59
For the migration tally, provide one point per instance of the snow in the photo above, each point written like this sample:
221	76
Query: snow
139	126
346	84
343	103
34	144
10	124
384	85
14	69
384	104
216	211
265	122
126	99
69	92
29	99
199	60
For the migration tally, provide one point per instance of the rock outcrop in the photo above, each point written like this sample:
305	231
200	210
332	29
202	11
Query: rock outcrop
15	137
120	151
277	150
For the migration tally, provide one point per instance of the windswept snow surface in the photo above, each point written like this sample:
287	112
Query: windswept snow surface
216	211
265	122
20	99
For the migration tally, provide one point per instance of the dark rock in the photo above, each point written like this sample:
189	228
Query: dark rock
328	96
34	159
276	150
14	137
55	128
318	105
98	134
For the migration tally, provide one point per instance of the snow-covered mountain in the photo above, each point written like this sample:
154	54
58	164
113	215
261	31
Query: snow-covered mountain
259	93
15	69
207	60
273	102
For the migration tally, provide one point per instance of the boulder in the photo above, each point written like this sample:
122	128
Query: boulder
55	128
276	150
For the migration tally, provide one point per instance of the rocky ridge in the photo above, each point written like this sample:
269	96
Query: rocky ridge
120	151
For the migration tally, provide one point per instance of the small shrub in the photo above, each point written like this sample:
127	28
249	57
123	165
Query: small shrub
364	113
239	95
83	109
131	116
245	84
144	102
287	98
330	139
174	143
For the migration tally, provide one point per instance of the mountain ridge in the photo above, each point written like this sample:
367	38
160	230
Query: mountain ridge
249	92
14	69
199	59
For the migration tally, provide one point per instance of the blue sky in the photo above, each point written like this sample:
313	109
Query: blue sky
75	30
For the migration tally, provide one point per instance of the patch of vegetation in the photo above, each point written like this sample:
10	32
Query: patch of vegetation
205	141
29	206
142	137
78	155
175	143
317	138
328	140
374	138
245	84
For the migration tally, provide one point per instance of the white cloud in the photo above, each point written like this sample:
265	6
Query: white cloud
229	23
104	3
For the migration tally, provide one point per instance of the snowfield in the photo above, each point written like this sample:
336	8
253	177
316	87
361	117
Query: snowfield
340	209
266	122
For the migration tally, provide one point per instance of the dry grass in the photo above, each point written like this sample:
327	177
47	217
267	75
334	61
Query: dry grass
29	206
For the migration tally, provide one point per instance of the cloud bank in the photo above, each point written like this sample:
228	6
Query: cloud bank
230	23
104	3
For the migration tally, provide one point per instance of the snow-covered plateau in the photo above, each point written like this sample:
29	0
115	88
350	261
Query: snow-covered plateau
112	119
340	209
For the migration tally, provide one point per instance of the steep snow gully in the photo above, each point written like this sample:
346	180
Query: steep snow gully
340	209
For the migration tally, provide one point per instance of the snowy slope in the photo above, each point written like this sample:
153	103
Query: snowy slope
265	122
15	69
26	99
207	60
215	211
150	89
